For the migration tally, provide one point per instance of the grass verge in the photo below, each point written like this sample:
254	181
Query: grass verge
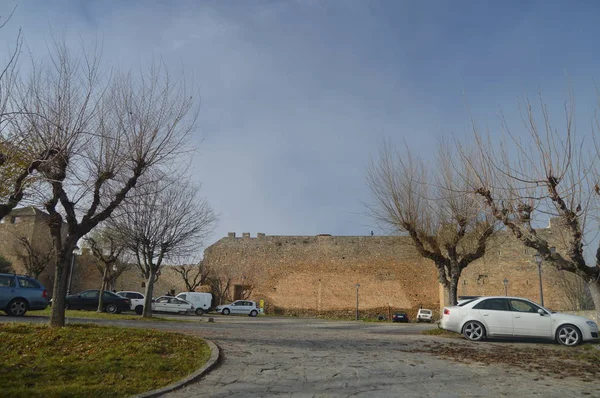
102	315
441	332
93	361
546	359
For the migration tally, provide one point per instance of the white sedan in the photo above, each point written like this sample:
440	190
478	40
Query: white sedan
172	304
516	317
239	307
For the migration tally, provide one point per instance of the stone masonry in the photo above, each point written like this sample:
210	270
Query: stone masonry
316	275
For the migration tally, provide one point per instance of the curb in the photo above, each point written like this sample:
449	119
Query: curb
215	356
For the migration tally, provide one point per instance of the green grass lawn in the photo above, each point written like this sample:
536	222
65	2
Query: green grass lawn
93	361
103	315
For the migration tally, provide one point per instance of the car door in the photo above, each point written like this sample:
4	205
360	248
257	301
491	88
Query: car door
7	289
177	305
528	322
89	299
161	304
236	307
495	314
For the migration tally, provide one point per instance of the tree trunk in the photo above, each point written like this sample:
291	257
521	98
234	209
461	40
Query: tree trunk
59	290
595	292
102	288
453	290
148	299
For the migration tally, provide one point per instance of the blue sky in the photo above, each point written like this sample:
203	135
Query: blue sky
298	95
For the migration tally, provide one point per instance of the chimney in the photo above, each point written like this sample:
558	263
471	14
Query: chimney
245	234
260	235
231	234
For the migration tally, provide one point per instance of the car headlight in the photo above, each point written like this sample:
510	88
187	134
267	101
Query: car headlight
592	324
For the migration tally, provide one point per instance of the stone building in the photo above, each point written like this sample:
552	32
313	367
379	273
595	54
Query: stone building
31	224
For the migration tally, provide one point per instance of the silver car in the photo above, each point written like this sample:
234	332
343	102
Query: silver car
172	304
239	307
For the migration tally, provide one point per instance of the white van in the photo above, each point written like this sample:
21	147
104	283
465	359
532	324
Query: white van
201	301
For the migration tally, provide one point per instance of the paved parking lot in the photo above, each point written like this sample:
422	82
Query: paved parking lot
291	357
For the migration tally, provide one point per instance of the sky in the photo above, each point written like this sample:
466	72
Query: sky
297	96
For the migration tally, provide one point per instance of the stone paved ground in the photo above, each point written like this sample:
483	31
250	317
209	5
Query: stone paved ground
281	357
312	358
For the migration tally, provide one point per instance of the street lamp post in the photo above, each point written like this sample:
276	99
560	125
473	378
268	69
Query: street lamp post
357	286
538	260
71	269
505	281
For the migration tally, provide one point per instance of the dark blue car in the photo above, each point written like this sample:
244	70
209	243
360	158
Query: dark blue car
20	293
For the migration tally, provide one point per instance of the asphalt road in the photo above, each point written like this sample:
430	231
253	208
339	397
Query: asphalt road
292	357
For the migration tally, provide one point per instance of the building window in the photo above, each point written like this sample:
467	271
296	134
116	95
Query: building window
15	220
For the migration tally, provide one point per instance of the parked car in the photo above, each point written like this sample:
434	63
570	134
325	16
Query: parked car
136	299
88	300
20	293
201	301
424	315
400	317
516	317
239	307
172	305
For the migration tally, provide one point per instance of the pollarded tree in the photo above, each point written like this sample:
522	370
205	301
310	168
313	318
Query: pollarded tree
539	174
162	222
108	130
108	250
428	203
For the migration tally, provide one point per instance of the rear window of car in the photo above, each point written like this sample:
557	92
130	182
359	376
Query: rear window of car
425	311
7	281
466	302
28	283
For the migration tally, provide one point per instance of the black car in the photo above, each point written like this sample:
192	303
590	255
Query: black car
88	300
400	317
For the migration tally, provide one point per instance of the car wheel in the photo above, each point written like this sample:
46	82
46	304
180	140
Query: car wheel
111	308
568	335
474	331
139	309
17	307
253	313
225	311
199	311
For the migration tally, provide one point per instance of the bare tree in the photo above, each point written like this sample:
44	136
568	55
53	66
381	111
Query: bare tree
543	174
108	250
225	274
36	257
106	130
162	222
430	203
575	290
193	275
5	265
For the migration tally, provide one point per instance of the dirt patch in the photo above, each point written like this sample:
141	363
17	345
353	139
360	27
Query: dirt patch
582	362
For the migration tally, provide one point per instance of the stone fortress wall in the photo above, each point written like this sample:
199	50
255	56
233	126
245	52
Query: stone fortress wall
316	275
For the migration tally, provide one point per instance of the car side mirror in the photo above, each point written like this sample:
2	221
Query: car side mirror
541	312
